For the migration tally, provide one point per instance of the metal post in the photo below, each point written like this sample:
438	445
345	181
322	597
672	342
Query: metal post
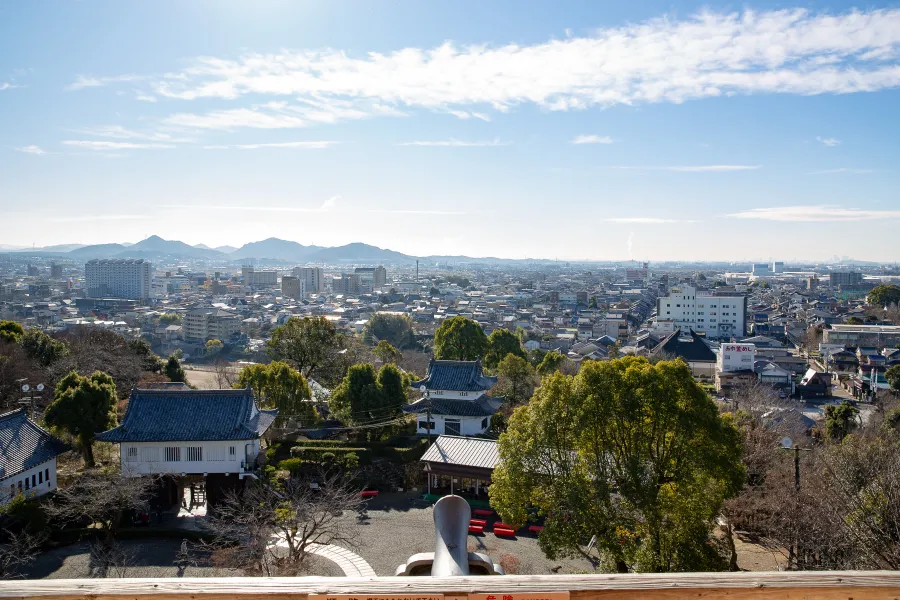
797	468
428	413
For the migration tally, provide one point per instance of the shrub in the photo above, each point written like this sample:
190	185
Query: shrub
291	465
364	455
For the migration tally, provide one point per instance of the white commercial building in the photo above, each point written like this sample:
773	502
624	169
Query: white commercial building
313	278
736	357
718	317
117	278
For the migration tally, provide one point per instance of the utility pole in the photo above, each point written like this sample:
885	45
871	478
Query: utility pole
424	391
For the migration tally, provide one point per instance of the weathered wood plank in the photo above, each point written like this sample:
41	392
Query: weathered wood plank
834	585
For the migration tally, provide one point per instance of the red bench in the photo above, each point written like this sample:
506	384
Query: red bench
535	529
483	512
504	532
369	494
481	522
476	529
503	526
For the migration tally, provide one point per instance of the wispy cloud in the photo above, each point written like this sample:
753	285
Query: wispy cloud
306	145
83	81
31	150
592	139
817	213
328	206
691	168
464	114
710	54
5	85
454	143
847	170
118	132
644	220
104	145
830	141
104	217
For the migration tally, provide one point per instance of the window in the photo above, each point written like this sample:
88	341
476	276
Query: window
132	454
20	486
194	453
173	454
27	487
149	455
231	451
426	425
464	393
34	481
451	426
484	423
40	477
215	454
47	475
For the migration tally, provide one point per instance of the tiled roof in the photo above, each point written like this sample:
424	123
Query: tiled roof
468	452
190	415
691	350
24	445
456	375
482	406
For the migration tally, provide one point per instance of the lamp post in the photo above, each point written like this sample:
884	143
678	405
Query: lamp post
424	391
788	444
29	401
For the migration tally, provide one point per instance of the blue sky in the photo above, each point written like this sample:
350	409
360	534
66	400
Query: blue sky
577	130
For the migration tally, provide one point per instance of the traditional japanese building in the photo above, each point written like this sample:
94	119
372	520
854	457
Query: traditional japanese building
454	399
27	457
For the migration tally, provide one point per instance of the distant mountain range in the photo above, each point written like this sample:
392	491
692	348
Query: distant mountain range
271	250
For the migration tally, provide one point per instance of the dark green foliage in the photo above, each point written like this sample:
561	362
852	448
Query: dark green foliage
43	348
893	378
367	396
394	329
312	345
550	363
169	319
884	295
82	407
459	338
277	385
459	280
174	371
316	454
502	343
840	420
10	331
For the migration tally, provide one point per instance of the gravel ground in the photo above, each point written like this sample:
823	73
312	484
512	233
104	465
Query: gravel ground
397	528
149	558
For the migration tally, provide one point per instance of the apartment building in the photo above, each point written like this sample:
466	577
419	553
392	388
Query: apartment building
848	279
878	336
293	287
118	278
371	278
259	279
313	278
717	317
347	283
202	324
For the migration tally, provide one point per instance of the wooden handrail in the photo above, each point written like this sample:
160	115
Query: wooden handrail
804	585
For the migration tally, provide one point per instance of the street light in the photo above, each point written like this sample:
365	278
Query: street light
425	393
27	389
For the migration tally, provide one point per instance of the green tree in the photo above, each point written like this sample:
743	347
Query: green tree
174	371
893	378
387	353
501	343
840	420
358	398
516	380
83	406
10	331
459	338
550	363
395	329
278	385
854	320
884	295
393	390
43	348
311	345
633	453
592	303
459	280
214	346
169	319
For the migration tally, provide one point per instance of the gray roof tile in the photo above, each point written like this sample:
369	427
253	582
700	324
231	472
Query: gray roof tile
456	375
24	445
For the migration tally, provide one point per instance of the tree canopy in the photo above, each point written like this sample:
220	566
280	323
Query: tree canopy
550	363
278	385
459	338
311	345
840	420
394	329
387	353
10	331
367	396
83	406
884	295
893	378
174	371
501	343
516	380
633	453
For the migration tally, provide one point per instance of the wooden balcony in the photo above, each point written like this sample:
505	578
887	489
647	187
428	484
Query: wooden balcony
825	585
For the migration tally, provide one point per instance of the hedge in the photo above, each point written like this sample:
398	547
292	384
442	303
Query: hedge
317	453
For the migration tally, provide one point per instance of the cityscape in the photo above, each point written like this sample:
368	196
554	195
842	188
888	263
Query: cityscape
399	301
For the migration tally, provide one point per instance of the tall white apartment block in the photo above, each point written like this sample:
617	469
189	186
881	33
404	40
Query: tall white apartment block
118	278
719	317
313	279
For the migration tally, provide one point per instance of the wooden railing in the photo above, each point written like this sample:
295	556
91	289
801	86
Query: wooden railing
830	585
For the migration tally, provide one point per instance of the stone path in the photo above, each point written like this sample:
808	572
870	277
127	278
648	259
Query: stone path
351	563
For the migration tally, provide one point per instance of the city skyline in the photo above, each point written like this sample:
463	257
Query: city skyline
514	130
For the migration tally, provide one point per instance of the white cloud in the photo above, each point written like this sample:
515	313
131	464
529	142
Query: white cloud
308	145
692	168
644	220
5	85
145	97
330	204
454	143
31	150
842	170
830	142
118	132
92	218
83	81
711	54
818	213
592	139
103	145
464	114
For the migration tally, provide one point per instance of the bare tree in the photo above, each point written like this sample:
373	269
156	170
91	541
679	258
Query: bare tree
102	499
267	532
109	559
17	551
226	374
